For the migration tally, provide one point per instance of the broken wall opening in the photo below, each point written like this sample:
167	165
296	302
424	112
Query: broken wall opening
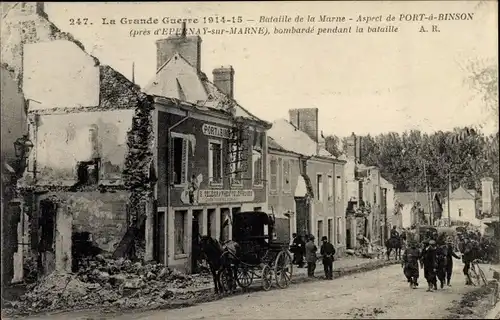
46	231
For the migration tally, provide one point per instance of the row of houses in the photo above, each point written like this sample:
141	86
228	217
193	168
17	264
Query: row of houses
464	207
151	169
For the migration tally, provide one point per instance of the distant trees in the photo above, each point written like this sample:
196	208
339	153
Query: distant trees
401	158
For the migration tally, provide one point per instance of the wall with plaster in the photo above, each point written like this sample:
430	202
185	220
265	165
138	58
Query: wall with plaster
104	215
64	139
50	68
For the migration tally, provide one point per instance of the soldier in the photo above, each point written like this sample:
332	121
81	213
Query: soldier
411	257
311	258
394	233
429	262
327	251
298	250
441	257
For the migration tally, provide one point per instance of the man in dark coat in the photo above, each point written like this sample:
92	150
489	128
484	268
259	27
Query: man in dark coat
327	252
411	256
450	254
298	248
394	233
430	265
311	258
441	259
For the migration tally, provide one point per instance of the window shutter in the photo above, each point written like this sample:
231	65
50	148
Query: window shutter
185	146
171	161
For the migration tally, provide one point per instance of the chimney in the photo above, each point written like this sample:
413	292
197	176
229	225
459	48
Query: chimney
189	47
306	120
358	149
224	80
487	194
351	147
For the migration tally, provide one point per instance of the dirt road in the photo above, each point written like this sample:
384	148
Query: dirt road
383	293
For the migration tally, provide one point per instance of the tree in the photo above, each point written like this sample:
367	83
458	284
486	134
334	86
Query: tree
332	145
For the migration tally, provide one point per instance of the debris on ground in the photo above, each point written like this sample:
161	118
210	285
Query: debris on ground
364	313
107	283
474	304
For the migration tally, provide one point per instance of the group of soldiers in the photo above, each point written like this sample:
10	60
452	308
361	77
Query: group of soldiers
307	249
435	255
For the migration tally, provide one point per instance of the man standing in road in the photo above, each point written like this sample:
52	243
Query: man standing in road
327	252
311	258
298	250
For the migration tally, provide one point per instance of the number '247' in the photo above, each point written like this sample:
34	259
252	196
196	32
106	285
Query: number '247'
78	21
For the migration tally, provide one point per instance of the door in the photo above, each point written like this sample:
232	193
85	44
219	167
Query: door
302	218
160	238
194	243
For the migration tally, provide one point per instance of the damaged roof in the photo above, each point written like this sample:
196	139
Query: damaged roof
289	138
178	79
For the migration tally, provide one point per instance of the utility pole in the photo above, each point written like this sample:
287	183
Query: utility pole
428	197
449	195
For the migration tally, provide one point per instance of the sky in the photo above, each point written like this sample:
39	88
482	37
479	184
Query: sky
368	83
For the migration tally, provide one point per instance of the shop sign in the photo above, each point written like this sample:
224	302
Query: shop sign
225	196
216	131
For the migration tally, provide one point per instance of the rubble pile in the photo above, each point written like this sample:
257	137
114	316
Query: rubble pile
109	283
367	251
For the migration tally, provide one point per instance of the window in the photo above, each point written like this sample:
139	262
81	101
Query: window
274	174
236	163
179	159
88	172
330	229
330	189
339	230
374	197
287	186
338	188
319	187
215	162
320	230
257	166
180	228
459	212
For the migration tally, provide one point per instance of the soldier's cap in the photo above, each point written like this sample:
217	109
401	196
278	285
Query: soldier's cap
324	238
311	237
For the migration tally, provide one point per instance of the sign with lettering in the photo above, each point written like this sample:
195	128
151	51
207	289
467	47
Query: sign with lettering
225	196
215	131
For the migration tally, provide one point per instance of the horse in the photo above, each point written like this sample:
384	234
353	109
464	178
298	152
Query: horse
396	244
221	259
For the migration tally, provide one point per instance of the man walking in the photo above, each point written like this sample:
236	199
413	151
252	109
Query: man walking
450	254
411	257
327	252
430	265
311	258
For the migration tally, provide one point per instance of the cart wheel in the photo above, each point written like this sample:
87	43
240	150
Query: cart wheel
267	278
473	275
244	277
283	269
225	281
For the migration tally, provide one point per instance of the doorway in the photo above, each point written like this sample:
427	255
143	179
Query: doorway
46	245
160	237
302	218
195	234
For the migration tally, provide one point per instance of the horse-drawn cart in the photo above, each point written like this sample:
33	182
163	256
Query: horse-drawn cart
260	255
